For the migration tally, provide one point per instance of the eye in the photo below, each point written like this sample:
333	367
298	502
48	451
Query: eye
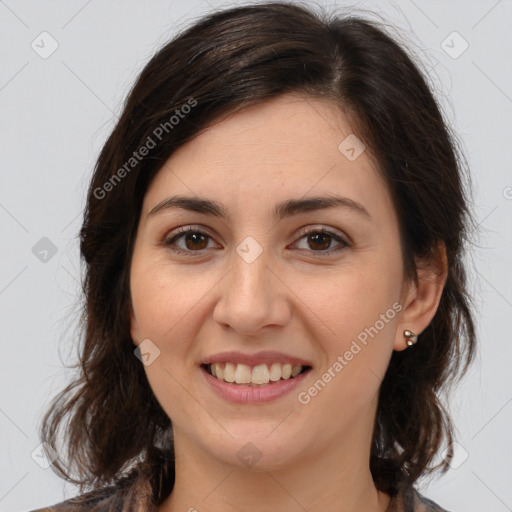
318	240
194	240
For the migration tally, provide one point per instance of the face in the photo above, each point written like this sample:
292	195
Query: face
270	278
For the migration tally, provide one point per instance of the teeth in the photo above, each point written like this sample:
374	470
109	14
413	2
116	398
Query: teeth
296	370
242	374
229	372
219	372
286	371
259	375
275	372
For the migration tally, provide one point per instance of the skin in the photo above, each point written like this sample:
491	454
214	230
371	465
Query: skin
291	299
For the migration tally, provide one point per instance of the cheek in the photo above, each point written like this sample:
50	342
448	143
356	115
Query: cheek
169	306
164	302
348	301
163	297
353	316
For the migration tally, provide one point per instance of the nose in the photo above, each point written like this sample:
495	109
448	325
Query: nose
253	296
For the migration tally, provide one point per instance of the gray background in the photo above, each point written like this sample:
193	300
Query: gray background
57	111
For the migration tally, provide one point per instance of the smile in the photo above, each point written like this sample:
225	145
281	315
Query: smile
249	392
258	375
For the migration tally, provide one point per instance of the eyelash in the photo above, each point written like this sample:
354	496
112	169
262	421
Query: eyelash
302	233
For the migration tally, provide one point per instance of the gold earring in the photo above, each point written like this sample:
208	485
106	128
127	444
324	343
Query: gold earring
410	337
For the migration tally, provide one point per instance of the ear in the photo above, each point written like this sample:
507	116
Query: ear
420	299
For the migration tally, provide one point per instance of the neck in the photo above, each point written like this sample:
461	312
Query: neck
334	477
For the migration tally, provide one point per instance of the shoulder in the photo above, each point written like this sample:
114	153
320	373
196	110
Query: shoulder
423	504
122	496
130	492
410	500
96	501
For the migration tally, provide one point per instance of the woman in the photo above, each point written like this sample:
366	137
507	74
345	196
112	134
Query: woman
275	287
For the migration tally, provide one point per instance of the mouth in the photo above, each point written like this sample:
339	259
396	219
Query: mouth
260	375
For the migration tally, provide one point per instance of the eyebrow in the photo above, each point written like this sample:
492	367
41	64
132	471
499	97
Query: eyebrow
282	210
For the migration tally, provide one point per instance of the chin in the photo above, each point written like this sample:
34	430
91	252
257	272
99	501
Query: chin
257	453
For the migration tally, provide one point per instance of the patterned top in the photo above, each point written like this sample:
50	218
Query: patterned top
112	500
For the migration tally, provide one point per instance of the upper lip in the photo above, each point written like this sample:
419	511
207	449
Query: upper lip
264	357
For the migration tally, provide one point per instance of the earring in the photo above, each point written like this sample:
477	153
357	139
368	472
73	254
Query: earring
410	337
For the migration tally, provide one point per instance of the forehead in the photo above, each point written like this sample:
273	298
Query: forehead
282	131
290	146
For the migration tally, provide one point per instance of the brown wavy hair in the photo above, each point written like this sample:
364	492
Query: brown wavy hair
112	427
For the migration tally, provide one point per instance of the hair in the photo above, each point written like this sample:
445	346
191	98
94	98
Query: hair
113	427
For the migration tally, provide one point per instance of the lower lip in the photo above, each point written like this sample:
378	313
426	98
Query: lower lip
246	394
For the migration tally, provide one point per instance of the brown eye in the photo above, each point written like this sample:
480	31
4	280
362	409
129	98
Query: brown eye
188	240
195	239
319	241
